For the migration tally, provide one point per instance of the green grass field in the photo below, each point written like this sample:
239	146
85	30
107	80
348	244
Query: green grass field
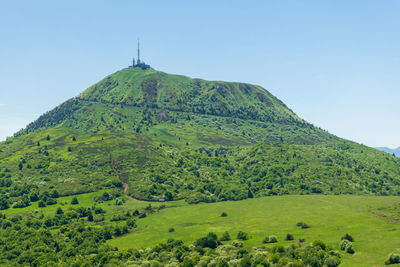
370	220
373	221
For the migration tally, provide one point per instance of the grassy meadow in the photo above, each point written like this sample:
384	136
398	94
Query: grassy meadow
370	220
373	221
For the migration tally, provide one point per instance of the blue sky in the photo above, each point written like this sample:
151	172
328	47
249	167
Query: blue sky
335	63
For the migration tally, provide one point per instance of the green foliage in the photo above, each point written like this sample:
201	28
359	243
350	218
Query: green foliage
225	236
289	237
270	239
348	237
319	243
74	201
146	118
242	235
156	136
59	211
4	203
347	246
209	241
393	258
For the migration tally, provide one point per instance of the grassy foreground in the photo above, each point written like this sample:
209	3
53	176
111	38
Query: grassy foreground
372	221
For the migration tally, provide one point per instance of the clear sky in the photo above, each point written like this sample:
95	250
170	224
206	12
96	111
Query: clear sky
334	63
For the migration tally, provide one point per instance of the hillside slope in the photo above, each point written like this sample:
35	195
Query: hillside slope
395	151
168	136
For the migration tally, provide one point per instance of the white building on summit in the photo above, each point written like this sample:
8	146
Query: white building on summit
139	63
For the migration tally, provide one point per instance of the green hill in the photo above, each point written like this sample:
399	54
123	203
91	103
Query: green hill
156	135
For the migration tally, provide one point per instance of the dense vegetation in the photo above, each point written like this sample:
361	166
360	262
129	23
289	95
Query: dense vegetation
90	229
112	135
152	136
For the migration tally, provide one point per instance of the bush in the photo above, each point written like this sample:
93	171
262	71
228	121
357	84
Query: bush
305	226
299	224
118	202
289	237
99	210
59	211
22	203
224	214
393	259
51	201
319	243
237	244
225	237
270	239
74	201
171	230
90	216
348	237
242	235
278	249
332	262
347	246
344	243
210	241
350	249
41	204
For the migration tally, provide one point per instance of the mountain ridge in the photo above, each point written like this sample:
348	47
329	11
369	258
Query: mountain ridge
395	151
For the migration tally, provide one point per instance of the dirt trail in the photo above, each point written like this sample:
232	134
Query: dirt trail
125	185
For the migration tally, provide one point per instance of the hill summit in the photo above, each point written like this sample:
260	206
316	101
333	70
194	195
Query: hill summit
154	135
154	89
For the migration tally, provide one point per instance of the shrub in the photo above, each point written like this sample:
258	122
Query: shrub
305	226
237	244
90	216
302	240
347	246
171	230
210	241
22	203
289	237
348	237
54	194
99	210
344	243
278	249
41	204
51	201
393	259
74	201
225	237
224	214
319	243
241	253
270	239
59	211
350	249
242	235
299	224
332	262
136	212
